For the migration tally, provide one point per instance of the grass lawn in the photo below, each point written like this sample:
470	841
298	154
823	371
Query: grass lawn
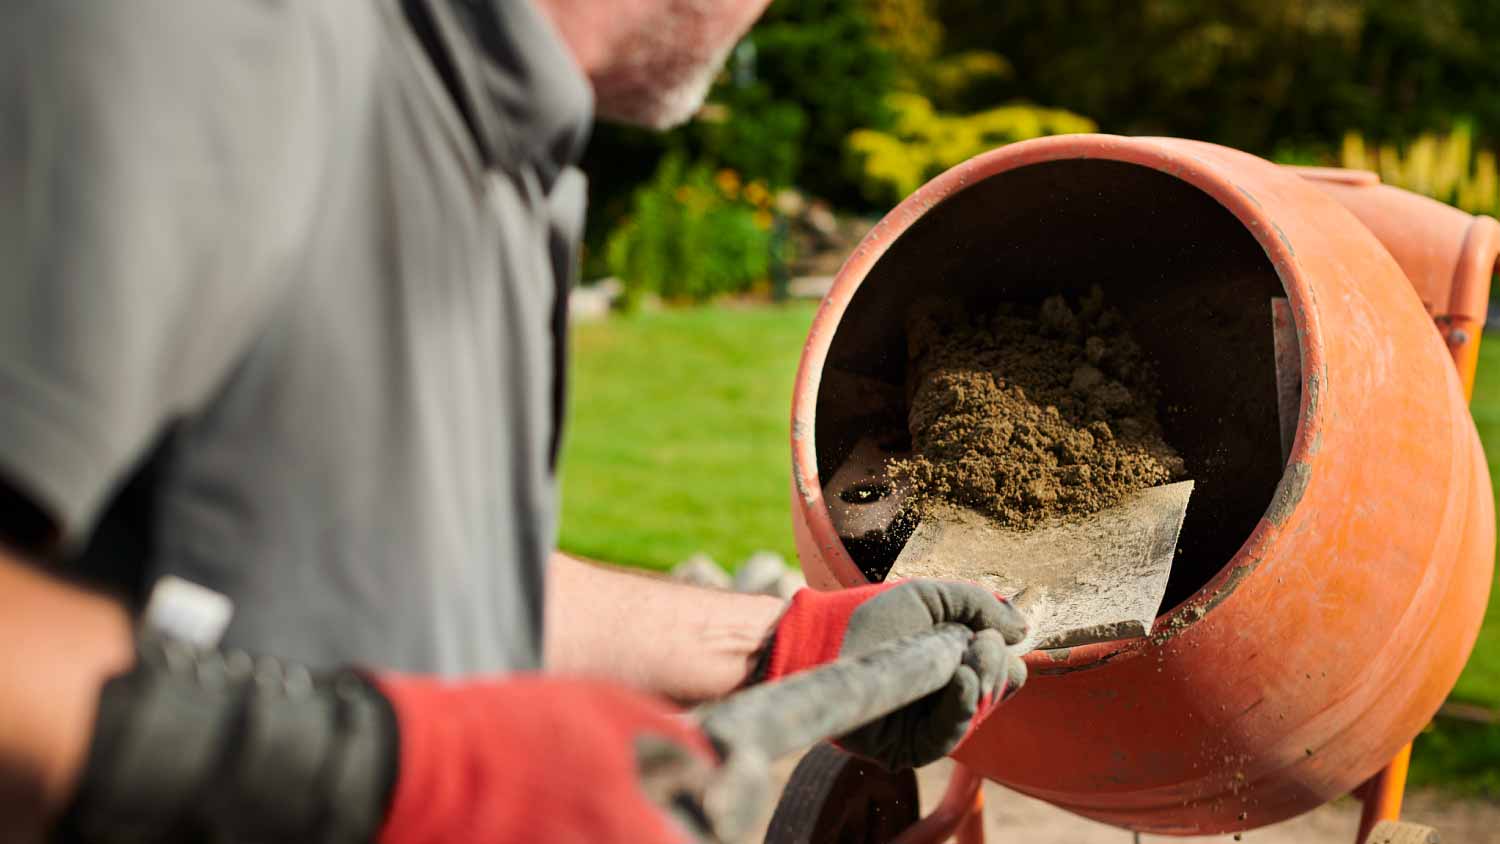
677	438
1466	757
677	443
1480	682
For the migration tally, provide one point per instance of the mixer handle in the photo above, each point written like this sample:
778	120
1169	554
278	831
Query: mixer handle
812	706
753	727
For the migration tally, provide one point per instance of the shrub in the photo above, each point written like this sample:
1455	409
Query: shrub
824	58
1458	756
760	135
1445	167
925	142
965	78
1247	73
692	233
808	73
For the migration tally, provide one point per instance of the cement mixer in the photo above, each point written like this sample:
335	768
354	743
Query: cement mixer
1336	559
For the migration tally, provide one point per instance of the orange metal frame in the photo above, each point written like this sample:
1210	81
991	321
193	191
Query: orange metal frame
959	816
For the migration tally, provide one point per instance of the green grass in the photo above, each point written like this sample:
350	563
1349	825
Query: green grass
1457	756
1480	682
677	435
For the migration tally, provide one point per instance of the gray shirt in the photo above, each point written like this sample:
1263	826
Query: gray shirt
281	297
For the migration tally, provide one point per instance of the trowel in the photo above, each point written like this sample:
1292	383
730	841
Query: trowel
1099	578
1091	579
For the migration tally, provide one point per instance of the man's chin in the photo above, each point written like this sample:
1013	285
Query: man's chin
653	106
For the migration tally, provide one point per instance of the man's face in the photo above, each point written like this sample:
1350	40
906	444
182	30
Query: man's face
652	61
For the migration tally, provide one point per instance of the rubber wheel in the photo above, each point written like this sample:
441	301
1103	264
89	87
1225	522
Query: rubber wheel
835	798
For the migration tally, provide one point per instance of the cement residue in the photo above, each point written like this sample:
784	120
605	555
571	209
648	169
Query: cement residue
1030	413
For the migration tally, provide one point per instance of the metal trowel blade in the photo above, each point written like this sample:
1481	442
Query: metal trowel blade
1094	579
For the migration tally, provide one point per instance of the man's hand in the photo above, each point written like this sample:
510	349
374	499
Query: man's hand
58	643
819	627
683	642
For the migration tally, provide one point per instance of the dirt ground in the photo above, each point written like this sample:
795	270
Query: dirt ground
1011	818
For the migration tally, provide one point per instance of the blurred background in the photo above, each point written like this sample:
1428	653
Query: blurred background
709	246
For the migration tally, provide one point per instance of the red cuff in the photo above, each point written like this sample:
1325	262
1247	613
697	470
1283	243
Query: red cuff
811	632
525	759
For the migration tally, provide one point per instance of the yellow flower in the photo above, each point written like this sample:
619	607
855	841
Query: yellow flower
757	195
728	182
763	219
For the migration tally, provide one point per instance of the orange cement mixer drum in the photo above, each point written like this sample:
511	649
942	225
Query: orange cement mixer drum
1325	605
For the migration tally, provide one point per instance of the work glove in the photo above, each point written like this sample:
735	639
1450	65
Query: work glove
534	759
193	744
819	627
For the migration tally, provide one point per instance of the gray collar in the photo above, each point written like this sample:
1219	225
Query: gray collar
525	98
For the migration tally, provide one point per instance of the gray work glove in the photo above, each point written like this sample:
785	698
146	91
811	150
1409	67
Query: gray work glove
819	627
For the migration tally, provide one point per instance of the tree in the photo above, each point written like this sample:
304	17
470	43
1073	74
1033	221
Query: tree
1255	74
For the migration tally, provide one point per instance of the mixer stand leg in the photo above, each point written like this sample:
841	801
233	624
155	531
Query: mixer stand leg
959	817
1382	796
971	830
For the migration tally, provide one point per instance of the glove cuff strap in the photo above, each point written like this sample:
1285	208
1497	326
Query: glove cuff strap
194	745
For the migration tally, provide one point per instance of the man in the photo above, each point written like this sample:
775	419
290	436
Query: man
282	294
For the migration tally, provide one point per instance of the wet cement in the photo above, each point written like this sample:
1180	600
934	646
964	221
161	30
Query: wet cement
1030	413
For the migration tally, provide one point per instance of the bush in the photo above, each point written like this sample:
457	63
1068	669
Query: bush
925	142
1252	74
1458	756
692	233
758	135
808	73
805	76
824	58
1445	167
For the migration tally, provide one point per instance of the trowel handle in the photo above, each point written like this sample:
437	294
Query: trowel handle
779	718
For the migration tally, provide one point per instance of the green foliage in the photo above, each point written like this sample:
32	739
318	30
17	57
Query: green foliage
807	101
923	138
753	132
908	29
809	73
1480	682
1460	757
824	57
959	80
1255	74
806	75
955	81
925	142
1444	166
692	234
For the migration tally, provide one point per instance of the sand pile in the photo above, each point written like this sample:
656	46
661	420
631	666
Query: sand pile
1030	413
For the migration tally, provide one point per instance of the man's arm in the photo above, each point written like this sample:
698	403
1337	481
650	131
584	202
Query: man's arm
695	644
685	642
58	644
271	757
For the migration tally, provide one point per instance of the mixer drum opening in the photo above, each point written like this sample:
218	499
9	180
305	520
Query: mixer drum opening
1192	283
